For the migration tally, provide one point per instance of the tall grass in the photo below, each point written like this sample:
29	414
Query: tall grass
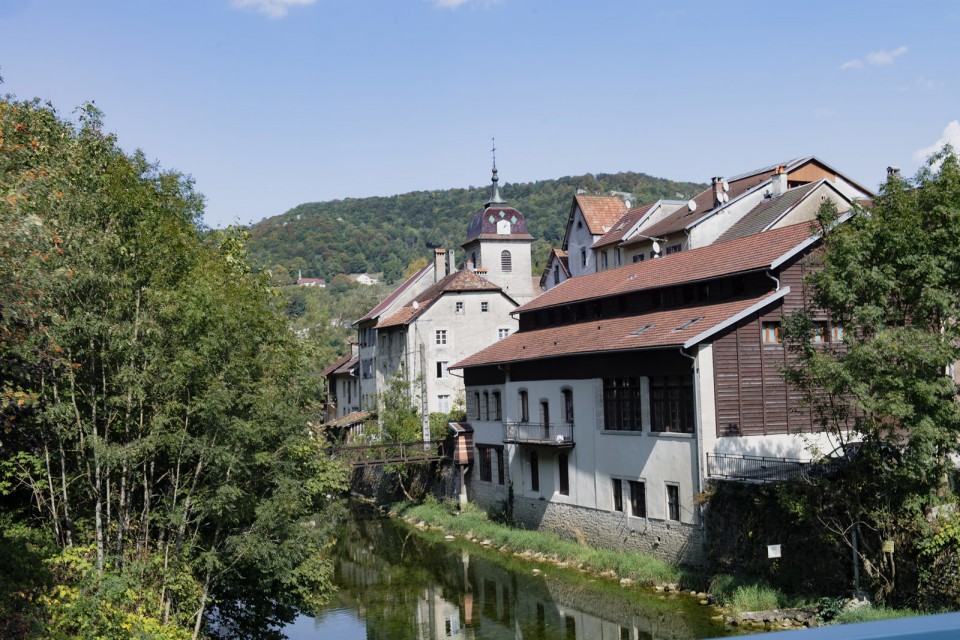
470	520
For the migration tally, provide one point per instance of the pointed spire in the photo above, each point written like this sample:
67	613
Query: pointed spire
495	198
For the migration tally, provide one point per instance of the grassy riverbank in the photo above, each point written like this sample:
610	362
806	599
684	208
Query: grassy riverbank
735	593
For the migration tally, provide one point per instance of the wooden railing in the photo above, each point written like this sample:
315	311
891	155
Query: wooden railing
556	435
393	453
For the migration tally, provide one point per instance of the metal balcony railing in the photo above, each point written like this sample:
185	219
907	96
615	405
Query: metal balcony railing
734	466
554	435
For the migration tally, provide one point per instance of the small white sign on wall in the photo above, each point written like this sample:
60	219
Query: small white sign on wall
773	551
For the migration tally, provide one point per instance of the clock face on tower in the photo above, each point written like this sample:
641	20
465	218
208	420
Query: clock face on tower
503	227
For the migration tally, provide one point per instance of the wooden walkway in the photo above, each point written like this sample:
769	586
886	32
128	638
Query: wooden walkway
393	453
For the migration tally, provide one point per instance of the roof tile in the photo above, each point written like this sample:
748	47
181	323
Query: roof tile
600	212
735	256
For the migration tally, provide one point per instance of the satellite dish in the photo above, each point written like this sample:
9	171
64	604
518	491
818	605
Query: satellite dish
656	247
726	186
725	197
692	205
416	305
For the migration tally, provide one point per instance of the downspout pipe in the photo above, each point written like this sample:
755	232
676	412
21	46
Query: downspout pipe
697	426
776	280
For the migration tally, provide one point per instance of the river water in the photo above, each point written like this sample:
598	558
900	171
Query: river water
397	583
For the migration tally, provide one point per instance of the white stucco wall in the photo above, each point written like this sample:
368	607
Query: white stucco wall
579	238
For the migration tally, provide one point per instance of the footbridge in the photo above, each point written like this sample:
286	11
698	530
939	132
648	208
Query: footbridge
368	455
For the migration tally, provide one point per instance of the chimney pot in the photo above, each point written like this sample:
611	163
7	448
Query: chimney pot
893	172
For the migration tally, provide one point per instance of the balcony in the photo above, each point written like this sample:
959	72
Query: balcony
549	435
757	469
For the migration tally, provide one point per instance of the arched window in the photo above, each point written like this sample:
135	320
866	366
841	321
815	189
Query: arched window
506	262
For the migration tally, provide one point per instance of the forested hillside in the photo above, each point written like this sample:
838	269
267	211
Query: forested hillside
384	234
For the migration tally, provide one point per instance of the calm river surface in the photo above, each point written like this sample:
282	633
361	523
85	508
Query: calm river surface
396	583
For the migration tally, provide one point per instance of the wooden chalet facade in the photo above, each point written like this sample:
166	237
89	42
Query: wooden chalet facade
619	384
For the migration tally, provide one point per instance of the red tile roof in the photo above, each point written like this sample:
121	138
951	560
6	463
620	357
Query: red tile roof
386	302
600	212
654	330
623	225
342	360
460	281
735	256
683	217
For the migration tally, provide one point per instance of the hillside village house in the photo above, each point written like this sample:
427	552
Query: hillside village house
751	202
441	315
622	388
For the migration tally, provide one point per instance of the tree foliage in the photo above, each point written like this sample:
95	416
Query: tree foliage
890	276
153	402
382	234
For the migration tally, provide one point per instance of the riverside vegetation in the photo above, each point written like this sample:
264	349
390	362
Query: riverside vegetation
733	594
156	460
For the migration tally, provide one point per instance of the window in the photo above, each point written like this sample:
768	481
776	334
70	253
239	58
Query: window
485	415
443	404
506	261
621	404
616	257
674	248
499	452
638	499
502	333
556	274
441	336
442	370
771	332
368	368
583	257
484	307
534	471
819	332
497	410
836	333
639	257
604	263
567	406
486	468
617	494
563	462
524	401
671	404
476	404
459	307
544	412
673	502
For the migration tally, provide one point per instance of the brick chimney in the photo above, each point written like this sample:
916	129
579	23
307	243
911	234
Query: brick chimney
718	194
439	264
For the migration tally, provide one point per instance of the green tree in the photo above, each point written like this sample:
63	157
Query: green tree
155	405
890	277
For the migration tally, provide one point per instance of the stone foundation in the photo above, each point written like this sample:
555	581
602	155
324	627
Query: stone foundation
671	541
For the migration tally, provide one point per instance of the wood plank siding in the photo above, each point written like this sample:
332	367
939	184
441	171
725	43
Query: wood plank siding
752	398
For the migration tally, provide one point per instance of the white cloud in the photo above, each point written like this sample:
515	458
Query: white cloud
875	58
951	136
879	58
456	4
273	8
927	84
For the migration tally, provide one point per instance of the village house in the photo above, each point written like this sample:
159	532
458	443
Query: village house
441	314
622	389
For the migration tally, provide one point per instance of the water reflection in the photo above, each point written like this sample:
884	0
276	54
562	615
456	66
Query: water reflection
397	584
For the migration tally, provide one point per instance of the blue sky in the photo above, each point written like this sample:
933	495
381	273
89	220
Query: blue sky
270	103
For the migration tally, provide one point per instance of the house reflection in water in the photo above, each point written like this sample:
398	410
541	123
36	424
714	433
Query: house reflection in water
406	587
